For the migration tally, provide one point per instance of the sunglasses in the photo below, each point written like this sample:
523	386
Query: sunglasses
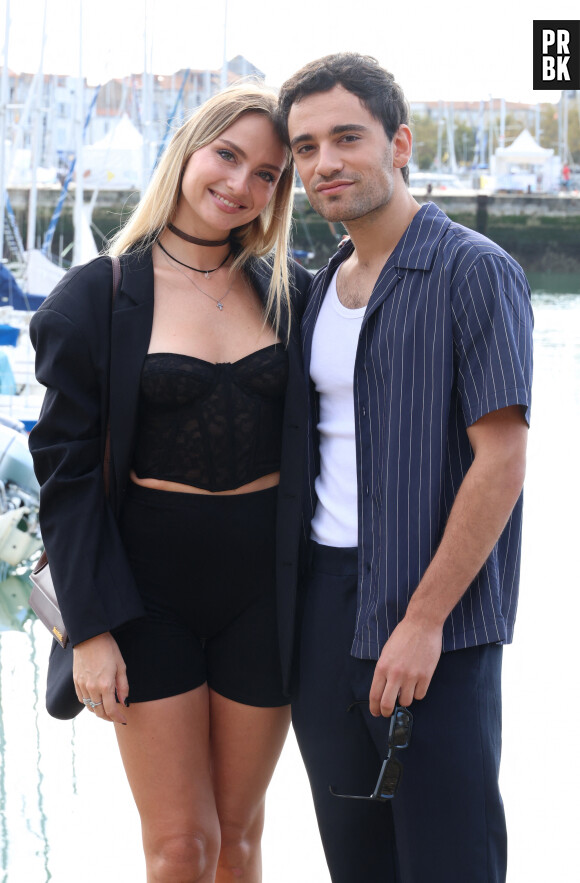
392	768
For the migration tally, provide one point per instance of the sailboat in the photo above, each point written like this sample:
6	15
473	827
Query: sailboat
20	400
20	394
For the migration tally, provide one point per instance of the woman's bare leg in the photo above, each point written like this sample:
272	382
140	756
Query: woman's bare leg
167	758
245	746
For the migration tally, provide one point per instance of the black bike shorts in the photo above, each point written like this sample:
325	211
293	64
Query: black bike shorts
205	568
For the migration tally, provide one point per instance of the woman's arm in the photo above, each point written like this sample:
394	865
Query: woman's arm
90	571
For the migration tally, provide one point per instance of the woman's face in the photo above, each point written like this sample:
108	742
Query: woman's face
230	181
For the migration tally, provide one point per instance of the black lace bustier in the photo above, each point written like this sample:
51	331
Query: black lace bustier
212	426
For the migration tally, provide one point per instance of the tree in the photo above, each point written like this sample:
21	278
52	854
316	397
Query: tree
574	133
549	126
464	139
424	141
549	129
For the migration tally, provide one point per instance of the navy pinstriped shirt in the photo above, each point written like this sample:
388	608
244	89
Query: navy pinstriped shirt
446	338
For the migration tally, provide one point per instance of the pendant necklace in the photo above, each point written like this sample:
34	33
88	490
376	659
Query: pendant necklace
189	267
217	302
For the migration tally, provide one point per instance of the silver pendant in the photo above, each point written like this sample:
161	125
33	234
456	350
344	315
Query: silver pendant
206	274
219	305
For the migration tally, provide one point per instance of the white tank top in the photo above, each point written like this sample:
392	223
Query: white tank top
334	346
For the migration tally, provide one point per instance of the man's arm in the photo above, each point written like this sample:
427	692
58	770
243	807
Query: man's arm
486	497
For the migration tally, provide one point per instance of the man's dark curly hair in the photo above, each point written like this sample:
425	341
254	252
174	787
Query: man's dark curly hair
360	74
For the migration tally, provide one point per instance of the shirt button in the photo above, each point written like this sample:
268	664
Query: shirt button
367	490
364	411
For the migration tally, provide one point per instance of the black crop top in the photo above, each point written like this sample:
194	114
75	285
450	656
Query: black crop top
211	426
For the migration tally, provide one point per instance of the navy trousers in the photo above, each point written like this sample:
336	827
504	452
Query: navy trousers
446	823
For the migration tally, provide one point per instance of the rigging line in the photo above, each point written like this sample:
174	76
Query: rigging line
48	236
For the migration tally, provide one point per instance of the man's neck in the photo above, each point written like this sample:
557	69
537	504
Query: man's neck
375	236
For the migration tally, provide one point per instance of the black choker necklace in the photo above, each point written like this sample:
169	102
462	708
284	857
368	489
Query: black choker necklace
209	242
195	269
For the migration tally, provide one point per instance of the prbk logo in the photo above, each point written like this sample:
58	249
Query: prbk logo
557	55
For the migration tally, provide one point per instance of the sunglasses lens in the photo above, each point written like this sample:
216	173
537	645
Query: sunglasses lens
401	728
389	780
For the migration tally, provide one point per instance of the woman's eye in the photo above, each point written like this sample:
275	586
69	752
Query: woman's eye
267	176
226	154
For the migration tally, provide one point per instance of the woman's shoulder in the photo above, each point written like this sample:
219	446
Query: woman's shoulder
263	266
300	276
84	293
300	279
77	285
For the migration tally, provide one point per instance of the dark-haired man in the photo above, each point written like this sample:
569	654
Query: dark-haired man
417	339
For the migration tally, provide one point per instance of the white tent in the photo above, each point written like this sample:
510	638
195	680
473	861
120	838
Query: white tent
525	166
116	160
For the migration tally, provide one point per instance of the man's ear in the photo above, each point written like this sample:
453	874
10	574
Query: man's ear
402	146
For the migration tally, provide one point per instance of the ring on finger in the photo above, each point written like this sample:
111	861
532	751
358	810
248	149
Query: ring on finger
90	704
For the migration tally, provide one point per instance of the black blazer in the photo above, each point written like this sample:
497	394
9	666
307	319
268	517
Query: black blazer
77	338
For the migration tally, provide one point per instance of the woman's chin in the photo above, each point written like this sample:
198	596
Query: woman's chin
210	228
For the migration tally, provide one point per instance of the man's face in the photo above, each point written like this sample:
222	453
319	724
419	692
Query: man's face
343	155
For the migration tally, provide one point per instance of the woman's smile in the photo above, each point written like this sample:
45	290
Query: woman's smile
226	203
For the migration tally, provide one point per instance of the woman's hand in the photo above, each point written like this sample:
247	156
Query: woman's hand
99	672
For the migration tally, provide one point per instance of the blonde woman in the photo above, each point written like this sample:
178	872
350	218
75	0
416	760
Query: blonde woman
179	590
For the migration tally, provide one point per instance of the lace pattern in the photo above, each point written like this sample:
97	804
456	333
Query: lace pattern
212	426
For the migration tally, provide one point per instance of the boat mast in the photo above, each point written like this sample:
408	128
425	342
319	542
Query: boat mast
3	126
450	114
36	112
79	168
146	105
490	137
224	76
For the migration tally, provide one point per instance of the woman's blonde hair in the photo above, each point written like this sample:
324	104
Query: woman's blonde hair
266	234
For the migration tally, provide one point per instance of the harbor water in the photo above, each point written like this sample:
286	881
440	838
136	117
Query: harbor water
66	811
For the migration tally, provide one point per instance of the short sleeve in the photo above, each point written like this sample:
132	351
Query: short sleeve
492	330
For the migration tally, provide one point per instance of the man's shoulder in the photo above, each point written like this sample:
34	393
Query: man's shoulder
480	272
467	256
468	246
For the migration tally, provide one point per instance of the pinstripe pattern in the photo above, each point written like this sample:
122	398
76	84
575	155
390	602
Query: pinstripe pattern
446	338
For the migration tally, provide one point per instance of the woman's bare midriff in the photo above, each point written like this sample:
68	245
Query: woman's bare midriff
158	484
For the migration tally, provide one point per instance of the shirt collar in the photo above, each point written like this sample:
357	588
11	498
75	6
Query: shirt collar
417	246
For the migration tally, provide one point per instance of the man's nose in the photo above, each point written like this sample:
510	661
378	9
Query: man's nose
329	161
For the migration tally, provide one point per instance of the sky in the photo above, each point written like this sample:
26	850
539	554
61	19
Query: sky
447	51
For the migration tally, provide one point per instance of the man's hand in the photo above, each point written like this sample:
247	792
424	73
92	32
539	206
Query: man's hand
483	504
405	666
